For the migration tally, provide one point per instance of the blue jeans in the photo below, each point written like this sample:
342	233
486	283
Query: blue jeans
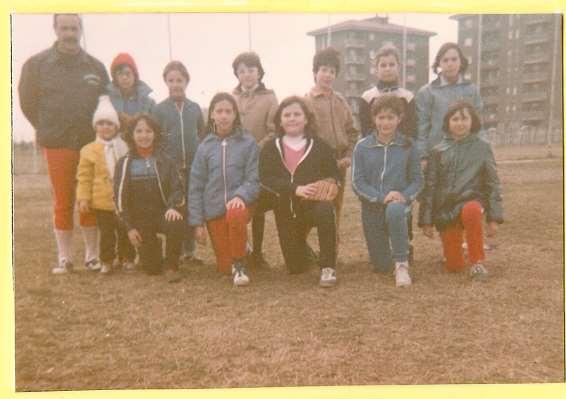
386	233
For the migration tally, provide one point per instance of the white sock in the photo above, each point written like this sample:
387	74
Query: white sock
64	240
90	238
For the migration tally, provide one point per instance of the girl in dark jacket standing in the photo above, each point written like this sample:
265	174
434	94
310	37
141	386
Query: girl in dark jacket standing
461	186
289	167
149	197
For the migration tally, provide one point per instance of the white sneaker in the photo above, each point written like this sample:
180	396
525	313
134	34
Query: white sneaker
402	277
63	267
327	277
478	272
129	267
239	275
106	268
93	265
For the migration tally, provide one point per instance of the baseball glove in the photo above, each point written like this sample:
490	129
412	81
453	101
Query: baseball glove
326	190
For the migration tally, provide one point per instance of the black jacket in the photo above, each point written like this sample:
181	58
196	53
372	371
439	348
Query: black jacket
458	172
318	163
169	181
59	94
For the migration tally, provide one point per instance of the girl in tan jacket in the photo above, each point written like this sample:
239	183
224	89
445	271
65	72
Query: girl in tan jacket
94	189
257	107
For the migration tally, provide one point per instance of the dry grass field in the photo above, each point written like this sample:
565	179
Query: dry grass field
87	331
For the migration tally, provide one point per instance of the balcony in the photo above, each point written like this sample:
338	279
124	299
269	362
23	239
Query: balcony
534	96
353	59
531	77
536	58
491	99
490	45
533	115
535	38
354	43
351	93
490	83
537	19
355	77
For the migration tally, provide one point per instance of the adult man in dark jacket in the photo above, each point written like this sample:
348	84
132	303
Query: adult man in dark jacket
59	90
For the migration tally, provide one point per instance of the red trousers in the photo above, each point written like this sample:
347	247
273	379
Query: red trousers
62	168
471	225
229	236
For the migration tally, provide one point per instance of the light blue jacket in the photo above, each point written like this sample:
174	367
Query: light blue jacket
222	169
141	102
181	130
432	102
379	168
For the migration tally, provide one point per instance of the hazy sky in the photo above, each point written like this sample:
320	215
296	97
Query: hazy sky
206	44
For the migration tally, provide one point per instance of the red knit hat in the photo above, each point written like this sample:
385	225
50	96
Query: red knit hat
124	59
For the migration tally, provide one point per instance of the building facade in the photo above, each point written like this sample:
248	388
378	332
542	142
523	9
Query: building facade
516	61
359	40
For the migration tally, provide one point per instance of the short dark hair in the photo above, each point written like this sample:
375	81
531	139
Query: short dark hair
459	107
386	50
311	127
176	66
222	96
153	124
443	49
249	59
328	56
76	15
388	101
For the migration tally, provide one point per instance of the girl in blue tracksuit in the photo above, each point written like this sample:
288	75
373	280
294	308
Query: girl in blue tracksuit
183	127
386	176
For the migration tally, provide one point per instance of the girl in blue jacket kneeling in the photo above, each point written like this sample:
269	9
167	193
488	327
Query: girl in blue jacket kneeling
224	184
386	176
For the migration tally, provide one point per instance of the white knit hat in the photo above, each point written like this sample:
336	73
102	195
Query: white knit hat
105	111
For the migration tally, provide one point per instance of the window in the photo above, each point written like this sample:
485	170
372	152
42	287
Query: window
510	35
411	62
411	46
508	90
468	76
372	70
469	58
468	42
372	36
411	78
517	34
468	23
372	54
515	90
511	20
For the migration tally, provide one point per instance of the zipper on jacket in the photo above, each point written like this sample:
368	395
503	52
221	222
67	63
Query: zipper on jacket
183	136
384	166
158	180
224	145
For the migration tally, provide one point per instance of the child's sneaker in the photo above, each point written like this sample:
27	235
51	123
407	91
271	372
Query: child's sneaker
173	275
478	272
63	267
93	265
327	277
239	275
106	268
129	267
402	277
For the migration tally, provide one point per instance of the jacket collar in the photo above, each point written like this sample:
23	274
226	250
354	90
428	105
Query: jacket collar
316	92
384	87
441	82
142	89
259	89
55	55
237	133
372	141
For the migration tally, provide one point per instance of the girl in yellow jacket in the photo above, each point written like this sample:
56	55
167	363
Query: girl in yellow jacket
95	190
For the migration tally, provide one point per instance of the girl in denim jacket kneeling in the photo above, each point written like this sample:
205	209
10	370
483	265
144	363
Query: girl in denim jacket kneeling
386	176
